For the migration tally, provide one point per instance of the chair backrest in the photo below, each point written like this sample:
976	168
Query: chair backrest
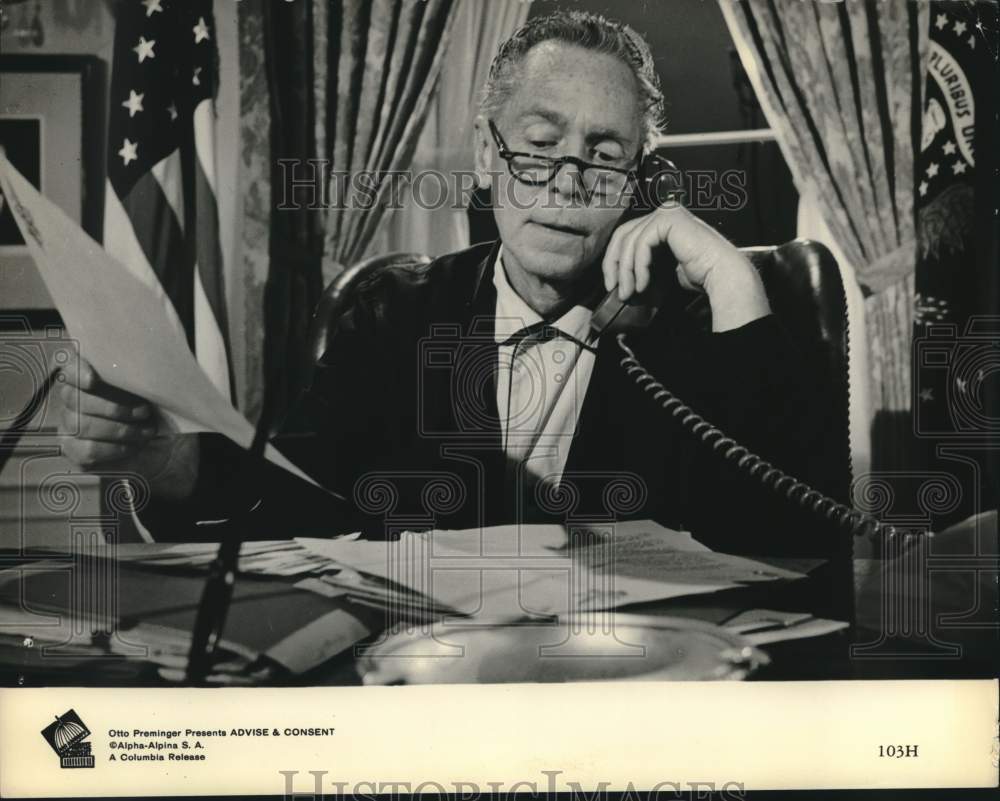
339	294
806	293
803	285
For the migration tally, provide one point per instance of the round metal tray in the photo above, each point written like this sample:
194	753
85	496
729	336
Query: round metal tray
628	647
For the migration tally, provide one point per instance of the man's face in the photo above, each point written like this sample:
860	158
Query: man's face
568	102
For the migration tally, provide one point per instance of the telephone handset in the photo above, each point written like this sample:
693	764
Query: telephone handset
616	317
657	183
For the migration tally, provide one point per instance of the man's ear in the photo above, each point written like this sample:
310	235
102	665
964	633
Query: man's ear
483	152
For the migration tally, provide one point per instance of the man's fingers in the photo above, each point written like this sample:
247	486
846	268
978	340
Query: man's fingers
690	238
83	388
682	279
98	406
698	248
90	453
612	255
641	245
83	377
643	259
626	263
100	428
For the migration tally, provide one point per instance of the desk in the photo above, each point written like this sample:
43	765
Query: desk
817	658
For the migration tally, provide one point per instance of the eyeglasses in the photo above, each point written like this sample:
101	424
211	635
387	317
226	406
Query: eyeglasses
538	170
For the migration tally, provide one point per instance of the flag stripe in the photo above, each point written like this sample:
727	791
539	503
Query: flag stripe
209	250
168	173
210	276
161	238
209	341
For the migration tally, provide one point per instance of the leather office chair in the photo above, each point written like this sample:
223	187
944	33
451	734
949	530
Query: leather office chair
806	293
339	294
803	285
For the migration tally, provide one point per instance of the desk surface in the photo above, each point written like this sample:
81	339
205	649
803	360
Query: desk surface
833	656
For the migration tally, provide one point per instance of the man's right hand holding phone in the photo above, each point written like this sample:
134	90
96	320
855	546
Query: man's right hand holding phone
108	429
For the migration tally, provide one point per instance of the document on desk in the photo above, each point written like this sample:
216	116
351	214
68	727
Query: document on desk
125	325
545	569
284	558
764	626
643	549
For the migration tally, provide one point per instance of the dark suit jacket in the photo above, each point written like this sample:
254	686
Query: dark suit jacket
401	419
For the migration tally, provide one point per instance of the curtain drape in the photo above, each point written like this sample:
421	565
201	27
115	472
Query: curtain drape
841	85
349	82
377	64
432	217
294	281
280	249
254	180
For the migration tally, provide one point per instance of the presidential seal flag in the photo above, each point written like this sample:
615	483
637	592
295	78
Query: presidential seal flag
956	330
161	217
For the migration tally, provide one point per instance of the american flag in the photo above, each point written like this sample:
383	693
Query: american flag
161	218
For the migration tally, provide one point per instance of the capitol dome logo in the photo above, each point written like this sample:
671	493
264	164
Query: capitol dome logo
67	735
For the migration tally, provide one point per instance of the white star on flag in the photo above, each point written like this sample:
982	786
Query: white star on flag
960	28
145	49
196	78
129	151
152	6
923	188
200	31
134	103
941	21
958	167
932	170
948	147
927	394
172	111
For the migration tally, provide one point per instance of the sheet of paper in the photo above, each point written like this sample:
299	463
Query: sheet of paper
538	539
814	627
759	619
506	572
639	538
126	328
640	557
262	557
319	640
505	540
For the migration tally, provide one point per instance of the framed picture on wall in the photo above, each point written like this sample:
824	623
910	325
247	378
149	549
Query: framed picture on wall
51	125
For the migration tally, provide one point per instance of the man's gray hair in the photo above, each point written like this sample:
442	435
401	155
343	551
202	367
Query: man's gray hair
591	32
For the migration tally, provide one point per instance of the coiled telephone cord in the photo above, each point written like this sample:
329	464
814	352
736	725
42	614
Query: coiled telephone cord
858	523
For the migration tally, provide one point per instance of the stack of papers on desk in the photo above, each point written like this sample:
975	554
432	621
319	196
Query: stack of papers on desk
296	603
764	626
509	572
260	557
43	646
157	591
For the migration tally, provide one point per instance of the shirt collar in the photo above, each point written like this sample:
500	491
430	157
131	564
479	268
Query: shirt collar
514	315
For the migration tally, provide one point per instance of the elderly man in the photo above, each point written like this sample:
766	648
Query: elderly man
473	391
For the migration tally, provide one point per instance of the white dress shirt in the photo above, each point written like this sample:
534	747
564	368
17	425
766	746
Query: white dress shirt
542	379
